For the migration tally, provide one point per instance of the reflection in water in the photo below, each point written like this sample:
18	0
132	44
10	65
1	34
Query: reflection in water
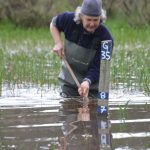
31	122
71	125
85	130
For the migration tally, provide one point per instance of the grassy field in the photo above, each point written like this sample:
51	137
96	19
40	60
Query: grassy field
26	56
131	56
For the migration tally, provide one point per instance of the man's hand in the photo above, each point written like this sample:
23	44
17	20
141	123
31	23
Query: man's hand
84	89
58	49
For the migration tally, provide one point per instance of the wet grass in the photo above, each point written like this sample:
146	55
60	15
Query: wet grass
130	56
123	110
26	56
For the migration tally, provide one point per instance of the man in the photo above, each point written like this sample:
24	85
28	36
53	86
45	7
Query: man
83	32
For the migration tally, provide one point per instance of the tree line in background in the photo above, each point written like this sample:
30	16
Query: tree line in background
39	12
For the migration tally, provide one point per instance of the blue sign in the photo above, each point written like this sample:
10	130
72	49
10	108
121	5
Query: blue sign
106	50
103	110
103	95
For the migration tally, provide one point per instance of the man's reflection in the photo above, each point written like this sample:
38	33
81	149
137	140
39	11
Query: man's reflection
83	114
83	129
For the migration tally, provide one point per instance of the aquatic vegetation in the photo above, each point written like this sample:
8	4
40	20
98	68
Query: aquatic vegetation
53	147
132	69
147	107
130	57
123	110
27	58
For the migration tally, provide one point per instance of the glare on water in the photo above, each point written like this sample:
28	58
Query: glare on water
38	118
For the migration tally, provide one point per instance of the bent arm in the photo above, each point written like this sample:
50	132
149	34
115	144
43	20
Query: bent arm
58	45
55	33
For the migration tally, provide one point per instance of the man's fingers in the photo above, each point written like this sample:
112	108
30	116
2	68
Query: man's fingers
83	91
80	91
58	49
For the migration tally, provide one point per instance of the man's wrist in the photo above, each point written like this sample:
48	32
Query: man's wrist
88	80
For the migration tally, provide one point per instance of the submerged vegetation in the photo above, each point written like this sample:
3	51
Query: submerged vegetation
26	56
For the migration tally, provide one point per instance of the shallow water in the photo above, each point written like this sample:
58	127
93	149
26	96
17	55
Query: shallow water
39	119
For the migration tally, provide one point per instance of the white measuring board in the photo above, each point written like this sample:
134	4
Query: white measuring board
104	133
104	79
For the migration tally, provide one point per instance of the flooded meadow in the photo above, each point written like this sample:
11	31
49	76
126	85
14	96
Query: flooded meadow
33	116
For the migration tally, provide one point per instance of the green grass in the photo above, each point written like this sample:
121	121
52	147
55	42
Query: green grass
26	56
125	34
130	56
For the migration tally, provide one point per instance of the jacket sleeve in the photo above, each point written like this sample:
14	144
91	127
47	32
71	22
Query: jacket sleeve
93	73
62	21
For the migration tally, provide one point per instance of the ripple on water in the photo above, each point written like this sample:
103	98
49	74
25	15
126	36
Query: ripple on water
33	119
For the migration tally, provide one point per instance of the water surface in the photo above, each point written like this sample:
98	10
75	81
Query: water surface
39	119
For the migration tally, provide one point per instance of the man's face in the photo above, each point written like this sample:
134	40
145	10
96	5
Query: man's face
90	23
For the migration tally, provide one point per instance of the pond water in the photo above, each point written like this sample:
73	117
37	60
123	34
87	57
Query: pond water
39	119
